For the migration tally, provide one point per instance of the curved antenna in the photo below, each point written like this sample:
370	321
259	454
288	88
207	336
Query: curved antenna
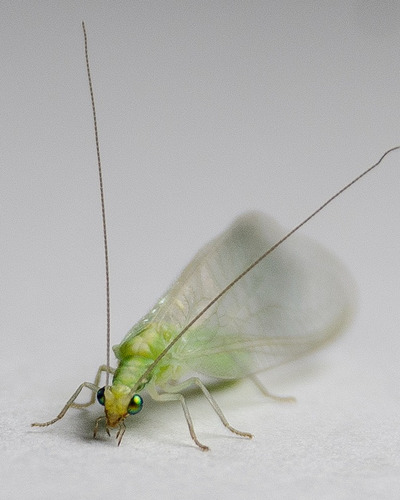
144	377
103	208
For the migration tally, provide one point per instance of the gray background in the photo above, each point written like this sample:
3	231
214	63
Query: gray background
206	109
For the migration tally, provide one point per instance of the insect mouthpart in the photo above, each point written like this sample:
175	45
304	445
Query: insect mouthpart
120	433
118	404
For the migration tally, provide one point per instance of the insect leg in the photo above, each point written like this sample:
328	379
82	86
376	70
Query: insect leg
262	388
177	397
101	369
196	381
68	404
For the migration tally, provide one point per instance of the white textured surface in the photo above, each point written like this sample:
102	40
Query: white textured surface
206	110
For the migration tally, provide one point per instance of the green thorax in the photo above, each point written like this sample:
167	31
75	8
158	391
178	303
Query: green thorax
139	349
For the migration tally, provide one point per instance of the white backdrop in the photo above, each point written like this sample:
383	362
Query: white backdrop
206	109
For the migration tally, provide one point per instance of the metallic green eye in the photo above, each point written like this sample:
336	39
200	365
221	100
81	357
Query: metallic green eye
135	405
100	396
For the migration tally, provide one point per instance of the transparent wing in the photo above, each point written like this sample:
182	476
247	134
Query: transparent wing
291	303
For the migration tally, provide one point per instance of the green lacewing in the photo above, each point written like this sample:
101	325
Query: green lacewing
255	297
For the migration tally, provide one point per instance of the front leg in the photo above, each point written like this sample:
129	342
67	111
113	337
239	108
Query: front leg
196	381
177	397
70	403
173	394
100	370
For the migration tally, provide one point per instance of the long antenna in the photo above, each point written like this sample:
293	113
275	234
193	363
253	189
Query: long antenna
146	374
103	208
